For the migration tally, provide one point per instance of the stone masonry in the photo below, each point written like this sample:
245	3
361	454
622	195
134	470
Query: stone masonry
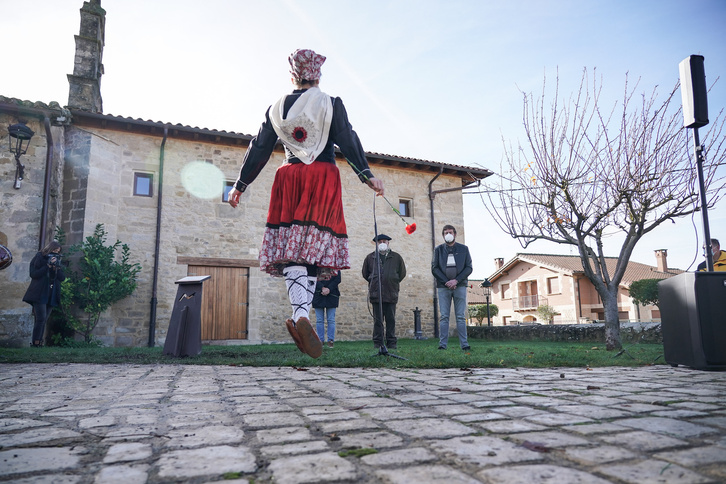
198	225
183	423
20	215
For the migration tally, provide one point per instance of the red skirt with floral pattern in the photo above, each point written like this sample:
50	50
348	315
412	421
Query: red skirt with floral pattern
305	222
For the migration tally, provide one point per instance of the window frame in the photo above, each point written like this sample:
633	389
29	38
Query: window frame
549	288
408	203
147	176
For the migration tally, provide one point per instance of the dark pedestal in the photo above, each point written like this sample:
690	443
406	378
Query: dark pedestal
693	319
185	328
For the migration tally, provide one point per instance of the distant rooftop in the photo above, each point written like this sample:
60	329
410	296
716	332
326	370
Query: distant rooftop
571	264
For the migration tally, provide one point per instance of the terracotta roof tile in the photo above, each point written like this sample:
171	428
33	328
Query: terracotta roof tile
468	173
571	264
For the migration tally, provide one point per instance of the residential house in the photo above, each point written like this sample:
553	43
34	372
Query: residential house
528	281
161	187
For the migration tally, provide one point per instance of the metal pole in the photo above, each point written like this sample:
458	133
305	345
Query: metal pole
489	319
704	205
432	195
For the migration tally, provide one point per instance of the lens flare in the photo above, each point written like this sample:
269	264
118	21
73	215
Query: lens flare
203	180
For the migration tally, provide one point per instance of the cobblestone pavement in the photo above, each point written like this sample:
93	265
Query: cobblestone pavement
131	424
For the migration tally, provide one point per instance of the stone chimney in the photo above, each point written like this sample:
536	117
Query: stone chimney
498	263
85	82
661	258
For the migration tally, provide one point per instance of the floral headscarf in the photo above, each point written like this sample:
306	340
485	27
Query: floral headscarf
305	64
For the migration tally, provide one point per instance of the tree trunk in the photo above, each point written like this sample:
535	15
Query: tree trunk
612	322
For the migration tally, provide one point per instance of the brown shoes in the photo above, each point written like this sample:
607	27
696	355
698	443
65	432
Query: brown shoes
293	332
330	344
309	340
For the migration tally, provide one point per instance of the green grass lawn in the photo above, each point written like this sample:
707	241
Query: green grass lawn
418	354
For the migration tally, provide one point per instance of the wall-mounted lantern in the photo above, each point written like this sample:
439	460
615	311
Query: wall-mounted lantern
18	141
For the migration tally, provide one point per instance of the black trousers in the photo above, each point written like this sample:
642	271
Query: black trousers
41	312
389	315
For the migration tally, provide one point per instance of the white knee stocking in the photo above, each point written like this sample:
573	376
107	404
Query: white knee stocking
299	290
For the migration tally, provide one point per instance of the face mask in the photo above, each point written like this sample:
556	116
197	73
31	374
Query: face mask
382	247
449	238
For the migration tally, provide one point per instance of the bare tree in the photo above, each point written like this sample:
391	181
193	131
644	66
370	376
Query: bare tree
588	171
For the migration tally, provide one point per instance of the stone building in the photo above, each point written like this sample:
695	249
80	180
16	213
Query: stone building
160	187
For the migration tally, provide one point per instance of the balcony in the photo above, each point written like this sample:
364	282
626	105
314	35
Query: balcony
525	303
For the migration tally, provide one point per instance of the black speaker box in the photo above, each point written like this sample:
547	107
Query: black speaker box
693	319
694	94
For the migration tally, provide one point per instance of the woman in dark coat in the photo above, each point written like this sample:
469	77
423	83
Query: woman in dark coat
46	274
325	302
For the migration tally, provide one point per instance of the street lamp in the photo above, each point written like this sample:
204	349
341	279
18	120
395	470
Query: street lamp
487	285
22	135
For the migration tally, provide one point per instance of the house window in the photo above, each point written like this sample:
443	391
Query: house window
506	292
553	285
505	320
228	185
404	206
143	184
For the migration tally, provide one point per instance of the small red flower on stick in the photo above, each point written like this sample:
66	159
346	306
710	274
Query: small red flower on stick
411	228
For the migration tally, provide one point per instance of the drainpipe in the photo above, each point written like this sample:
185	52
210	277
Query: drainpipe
433	248
46	186
152	318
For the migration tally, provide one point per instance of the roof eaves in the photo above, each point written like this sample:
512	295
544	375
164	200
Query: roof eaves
554	267
468	174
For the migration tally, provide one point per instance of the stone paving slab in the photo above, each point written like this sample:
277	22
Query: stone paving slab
78	424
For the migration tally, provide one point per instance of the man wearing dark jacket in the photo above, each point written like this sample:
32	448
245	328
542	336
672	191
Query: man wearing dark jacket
451	266
394	271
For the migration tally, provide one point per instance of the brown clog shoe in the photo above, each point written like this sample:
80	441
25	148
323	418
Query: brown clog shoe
309	338
293	332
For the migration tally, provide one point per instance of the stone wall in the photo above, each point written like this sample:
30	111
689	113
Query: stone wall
199	227
20	215
576	333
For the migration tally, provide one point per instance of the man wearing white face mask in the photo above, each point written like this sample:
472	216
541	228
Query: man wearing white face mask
394	271
451	266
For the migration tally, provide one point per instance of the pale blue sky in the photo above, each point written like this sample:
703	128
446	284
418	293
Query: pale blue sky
437	80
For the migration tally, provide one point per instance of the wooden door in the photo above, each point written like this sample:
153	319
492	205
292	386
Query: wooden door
224	302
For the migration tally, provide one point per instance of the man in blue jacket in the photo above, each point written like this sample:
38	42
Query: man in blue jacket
451	267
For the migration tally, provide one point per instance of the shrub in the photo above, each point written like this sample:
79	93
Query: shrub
645	292
479	312
100	281
546	312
